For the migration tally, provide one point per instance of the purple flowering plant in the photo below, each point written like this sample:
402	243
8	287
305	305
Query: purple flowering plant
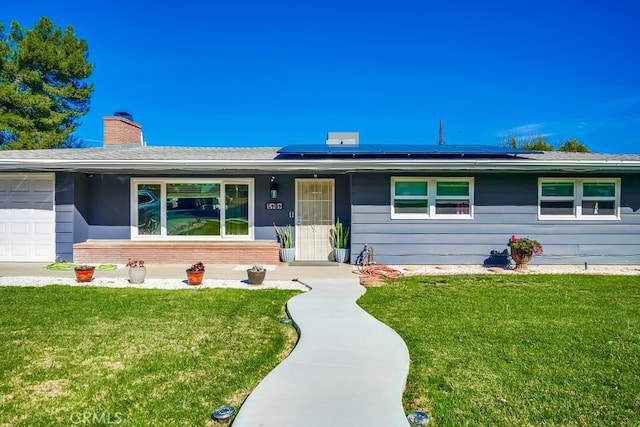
525	245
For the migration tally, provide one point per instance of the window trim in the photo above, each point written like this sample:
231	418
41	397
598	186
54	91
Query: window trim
432	197
133	214
578	199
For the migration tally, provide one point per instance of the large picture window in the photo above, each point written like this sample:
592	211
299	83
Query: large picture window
419	197
181	208
148	209
586	198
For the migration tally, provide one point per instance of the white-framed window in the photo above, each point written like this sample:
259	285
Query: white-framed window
579	198
428	197
196	208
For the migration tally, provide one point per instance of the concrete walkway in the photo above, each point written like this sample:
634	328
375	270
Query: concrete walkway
348	369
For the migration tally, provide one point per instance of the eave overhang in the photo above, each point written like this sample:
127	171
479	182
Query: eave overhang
315	165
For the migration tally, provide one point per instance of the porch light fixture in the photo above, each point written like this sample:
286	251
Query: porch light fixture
274	188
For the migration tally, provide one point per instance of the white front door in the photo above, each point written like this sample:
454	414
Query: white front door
314	218
27	217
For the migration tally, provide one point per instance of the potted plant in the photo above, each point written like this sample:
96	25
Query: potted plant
339	237
287	248
195	274
84	273
256	274
137	271
522	250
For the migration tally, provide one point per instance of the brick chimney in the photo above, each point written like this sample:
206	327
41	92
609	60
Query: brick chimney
121	130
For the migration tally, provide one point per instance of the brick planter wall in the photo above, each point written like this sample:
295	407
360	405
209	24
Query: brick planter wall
119	251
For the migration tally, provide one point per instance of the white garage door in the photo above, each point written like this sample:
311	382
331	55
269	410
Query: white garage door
27	217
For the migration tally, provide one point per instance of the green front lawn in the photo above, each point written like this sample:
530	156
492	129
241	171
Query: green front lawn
518	350
100	356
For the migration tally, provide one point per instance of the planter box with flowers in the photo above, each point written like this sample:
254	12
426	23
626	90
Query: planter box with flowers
522	250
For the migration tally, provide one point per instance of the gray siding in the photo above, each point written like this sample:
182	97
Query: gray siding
505	204
64	232
64	215
72	207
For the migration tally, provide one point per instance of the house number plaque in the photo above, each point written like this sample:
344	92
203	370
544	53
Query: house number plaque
277	206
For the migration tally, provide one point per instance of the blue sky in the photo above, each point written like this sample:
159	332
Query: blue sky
273	73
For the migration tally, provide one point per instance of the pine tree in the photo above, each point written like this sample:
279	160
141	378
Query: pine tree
43	88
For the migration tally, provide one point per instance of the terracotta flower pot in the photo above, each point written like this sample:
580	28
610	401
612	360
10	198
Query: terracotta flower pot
520	258
194	278
84	274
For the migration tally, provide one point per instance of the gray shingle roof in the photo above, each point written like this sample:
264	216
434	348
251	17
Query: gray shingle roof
203	159
561	156
144	153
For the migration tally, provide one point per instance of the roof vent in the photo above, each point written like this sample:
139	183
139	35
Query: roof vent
343	138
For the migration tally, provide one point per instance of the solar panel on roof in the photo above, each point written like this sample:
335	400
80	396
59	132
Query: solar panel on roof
380	150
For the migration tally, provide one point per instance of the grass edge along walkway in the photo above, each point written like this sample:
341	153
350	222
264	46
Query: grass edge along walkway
526	350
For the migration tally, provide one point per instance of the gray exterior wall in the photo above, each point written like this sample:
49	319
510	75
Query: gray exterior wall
505	204
72	210
98	206
64	215
110	203
109	200
265	218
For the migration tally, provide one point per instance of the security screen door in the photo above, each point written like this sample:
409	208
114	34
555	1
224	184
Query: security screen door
314	218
